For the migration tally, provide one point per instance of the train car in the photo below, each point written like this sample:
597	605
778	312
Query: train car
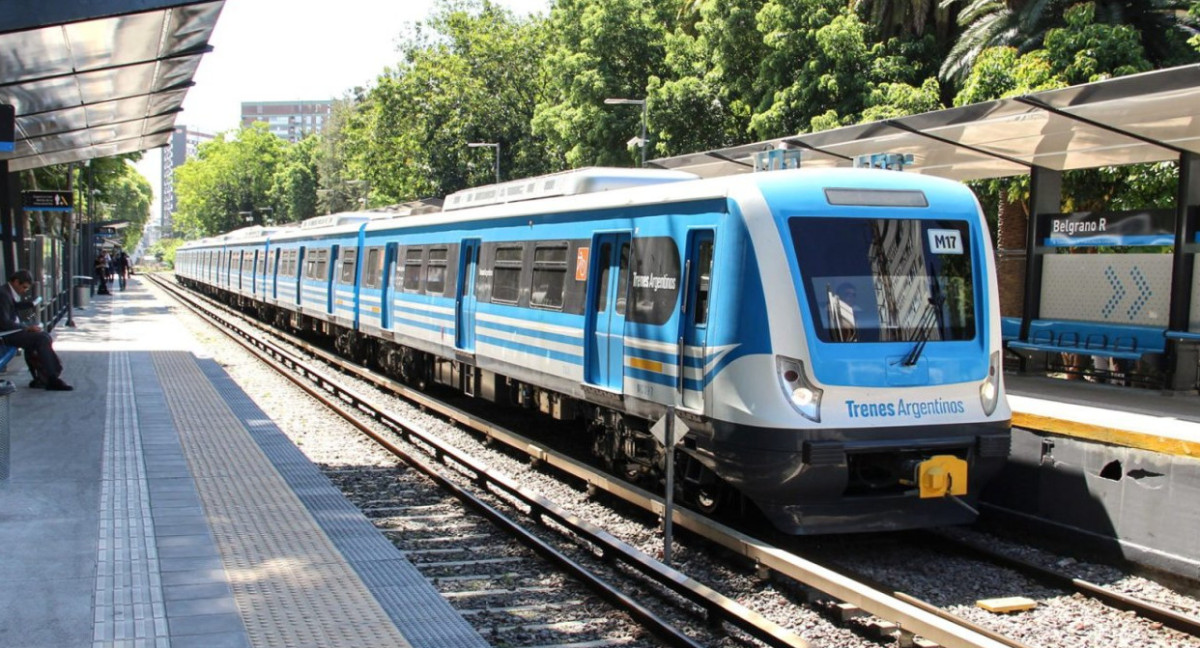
830	338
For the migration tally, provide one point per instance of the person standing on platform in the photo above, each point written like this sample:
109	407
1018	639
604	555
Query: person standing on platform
101	272
122	264
43	362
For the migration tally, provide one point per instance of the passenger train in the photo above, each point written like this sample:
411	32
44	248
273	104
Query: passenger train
830	338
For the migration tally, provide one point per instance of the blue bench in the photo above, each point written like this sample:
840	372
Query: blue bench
1183	336
7	353
1120	341
1010	329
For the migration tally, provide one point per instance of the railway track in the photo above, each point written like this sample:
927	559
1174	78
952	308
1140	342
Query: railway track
900	617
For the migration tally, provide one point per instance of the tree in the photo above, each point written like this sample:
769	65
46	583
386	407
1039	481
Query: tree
1161	26
294	187
601	49
228	179
468	74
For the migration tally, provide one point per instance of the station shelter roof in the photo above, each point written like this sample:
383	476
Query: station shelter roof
1147	117
98	78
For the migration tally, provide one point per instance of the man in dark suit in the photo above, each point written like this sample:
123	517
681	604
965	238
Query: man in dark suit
38	345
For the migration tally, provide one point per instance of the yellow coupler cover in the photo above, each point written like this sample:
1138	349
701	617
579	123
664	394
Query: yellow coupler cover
942	475
1007	604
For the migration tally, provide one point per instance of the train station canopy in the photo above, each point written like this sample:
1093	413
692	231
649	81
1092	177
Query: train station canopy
97	78
1147	117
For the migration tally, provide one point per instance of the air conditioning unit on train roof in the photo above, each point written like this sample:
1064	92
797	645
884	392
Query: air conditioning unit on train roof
254	231
345	218
566	183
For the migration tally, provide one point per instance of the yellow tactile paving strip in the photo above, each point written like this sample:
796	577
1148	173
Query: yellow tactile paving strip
292	588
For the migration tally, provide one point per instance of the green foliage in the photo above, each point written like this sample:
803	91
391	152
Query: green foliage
164	250
468	74
602	49
228	180
1084	51
294	186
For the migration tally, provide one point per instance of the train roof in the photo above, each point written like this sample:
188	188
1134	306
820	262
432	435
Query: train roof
566	183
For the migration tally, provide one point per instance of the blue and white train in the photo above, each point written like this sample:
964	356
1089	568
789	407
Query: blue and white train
830	337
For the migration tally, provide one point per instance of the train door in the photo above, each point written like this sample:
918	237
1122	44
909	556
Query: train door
388	290
273	276
297	276
464	306
694	336
331	268
604	341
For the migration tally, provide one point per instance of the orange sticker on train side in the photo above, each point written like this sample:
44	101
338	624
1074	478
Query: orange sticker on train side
581	263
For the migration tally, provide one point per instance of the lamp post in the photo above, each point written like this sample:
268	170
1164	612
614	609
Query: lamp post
493	145
634	102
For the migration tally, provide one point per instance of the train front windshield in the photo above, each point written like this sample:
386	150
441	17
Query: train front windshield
886	280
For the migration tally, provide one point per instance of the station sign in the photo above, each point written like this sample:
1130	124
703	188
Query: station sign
46	200
8	128
1096	229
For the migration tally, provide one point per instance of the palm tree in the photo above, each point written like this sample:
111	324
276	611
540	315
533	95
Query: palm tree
1163	25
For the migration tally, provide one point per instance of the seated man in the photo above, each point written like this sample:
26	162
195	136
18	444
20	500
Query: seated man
38	345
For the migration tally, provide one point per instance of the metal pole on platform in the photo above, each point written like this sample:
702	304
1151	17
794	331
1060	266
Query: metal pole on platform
71	248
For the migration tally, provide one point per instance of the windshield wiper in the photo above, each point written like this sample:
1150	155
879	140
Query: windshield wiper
931	316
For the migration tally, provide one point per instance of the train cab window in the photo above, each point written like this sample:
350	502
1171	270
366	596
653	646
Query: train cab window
413	261
549	276
435	271
506	287
347	262
883	280
373	268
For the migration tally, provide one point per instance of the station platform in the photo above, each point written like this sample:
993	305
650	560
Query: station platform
156	505
1126	416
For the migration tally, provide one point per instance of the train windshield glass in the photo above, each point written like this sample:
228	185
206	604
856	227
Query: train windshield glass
886	280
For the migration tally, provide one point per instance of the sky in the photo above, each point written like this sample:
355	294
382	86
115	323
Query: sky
271	50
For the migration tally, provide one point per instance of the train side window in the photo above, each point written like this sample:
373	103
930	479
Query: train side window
413	258
373	269
506	288
321	264
549	276
435	271
704	257
349	257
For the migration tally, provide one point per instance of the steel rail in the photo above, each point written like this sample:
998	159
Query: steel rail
1110	597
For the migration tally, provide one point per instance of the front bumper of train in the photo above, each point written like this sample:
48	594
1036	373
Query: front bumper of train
850	480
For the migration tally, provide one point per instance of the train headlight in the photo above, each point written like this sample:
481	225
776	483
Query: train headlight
989	391
804	396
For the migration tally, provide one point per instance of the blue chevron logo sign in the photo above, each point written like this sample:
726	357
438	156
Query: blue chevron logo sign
1118	295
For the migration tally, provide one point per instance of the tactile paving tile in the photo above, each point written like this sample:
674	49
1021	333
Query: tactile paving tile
426	620
129	604
290	583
